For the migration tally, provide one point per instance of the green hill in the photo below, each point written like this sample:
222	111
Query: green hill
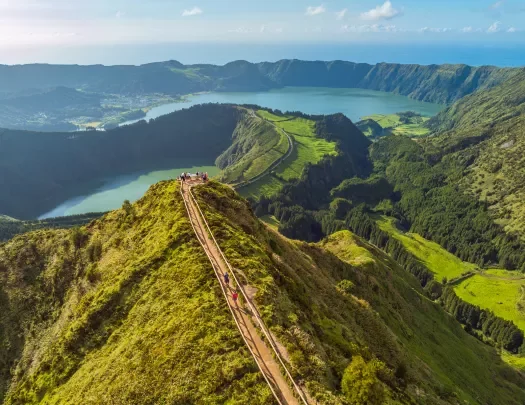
41	170
435	83
127	310
484	134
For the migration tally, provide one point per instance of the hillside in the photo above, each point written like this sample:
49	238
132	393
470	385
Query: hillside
41	170
127	310
483	134
435	83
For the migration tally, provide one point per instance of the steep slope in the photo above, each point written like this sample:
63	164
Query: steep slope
435	83
256	146
128	310
331	309
483	135
125	310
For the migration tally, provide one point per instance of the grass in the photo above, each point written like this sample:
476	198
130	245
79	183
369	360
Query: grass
502	292
267	186
331	301
433	256
271	221
392	123
308	148
140	319
256	146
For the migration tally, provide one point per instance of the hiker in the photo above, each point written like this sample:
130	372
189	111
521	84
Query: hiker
183	179
226	279
235	296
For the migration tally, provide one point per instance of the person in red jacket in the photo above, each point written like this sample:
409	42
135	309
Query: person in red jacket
235	296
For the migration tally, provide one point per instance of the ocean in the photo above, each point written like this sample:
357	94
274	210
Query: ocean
220	53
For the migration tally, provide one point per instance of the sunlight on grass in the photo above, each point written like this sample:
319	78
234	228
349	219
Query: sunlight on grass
308	148
497	290
392	124
438	260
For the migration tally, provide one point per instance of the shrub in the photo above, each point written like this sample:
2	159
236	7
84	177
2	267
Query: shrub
360	383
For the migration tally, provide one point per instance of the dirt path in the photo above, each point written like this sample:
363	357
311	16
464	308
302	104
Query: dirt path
275	164
261	351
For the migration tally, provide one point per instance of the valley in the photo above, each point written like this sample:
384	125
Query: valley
379	237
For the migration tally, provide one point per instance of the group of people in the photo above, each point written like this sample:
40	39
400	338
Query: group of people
235	294
187	176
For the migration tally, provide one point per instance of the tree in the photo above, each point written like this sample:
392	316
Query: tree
360	383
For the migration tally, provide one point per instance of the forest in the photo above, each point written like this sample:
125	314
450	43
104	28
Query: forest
46	167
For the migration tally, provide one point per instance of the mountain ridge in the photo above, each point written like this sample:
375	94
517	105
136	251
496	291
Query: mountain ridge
434	83
131	313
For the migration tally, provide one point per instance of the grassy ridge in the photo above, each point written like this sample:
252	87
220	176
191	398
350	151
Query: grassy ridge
327	308
308	149
126	310
256	146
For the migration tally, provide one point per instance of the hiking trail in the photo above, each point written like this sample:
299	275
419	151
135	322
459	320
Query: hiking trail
265	352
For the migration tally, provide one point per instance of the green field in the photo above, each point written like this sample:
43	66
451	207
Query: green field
433	256
500	291
392	123
308	148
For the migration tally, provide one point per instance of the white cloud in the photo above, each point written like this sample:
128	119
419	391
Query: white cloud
311	10
438	30
384	12
192	11
512	29
470	30
370	28
497	4
341	14
263	28
496	27
120	14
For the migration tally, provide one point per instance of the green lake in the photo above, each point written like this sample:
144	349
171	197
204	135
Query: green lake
113	193
354	103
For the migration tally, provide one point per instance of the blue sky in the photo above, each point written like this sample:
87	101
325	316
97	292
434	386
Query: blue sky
48	22
27	25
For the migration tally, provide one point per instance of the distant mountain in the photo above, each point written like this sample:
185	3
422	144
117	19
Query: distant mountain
128	310
47	100
434	83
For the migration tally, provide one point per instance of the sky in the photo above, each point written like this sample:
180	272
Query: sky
53	28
